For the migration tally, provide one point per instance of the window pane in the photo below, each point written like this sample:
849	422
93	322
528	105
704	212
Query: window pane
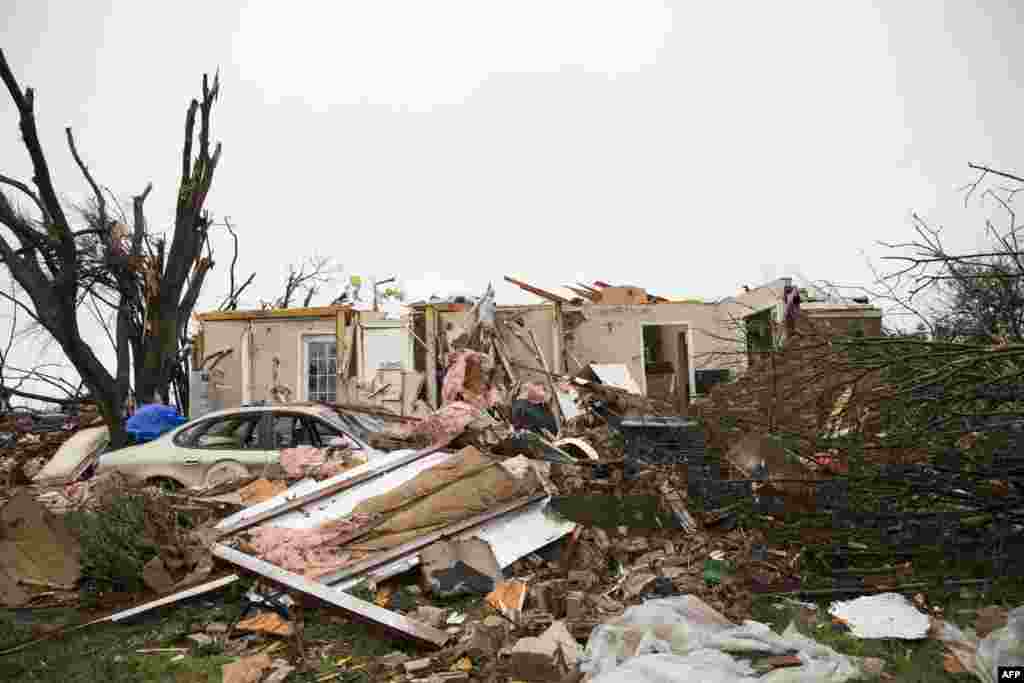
230	433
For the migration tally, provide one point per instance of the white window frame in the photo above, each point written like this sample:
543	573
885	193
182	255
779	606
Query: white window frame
307	340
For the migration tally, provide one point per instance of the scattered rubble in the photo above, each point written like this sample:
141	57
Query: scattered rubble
530	498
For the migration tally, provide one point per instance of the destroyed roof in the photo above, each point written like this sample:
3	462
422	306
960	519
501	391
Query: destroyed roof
434	300
583	293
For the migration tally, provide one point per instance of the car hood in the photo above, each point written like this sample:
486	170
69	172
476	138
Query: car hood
74	455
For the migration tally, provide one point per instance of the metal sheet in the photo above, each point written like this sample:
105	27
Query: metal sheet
511	537
309	487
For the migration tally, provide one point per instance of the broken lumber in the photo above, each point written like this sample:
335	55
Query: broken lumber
392	621
544	294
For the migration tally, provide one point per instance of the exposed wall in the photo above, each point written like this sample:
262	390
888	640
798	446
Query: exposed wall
540	319
282	338
612	334
226	382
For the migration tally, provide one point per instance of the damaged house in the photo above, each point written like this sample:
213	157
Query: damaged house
673	350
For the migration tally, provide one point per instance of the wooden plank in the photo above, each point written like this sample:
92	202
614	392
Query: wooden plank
582	292
176	597
559	418
314	496
352	605
431	319
423	541
558	340
496	343
544	294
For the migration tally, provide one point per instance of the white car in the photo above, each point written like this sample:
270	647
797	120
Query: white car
235	443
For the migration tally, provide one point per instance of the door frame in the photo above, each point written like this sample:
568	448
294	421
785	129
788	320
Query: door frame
691	377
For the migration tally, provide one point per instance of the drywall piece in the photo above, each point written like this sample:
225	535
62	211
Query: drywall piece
359	608
616	375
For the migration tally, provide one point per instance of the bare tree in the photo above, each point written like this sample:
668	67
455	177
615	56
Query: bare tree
152	282
305	279
235	291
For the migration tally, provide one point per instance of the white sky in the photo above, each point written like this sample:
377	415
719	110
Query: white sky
686	147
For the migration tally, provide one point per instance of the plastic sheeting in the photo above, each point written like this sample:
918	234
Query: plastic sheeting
886	615
683	639
153	420
1002	647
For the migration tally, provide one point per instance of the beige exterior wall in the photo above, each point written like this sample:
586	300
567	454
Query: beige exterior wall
613	334
283	338
280	337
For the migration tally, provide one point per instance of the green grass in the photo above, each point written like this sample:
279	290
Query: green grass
907	661
107	652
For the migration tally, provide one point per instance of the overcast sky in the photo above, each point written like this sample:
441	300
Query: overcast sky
689	148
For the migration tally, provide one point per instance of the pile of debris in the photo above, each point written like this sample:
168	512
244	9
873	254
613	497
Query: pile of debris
28	441
571	507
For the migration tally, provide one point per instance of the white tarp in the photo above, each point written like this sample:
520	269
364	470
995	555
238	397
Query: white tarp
886	615
683	639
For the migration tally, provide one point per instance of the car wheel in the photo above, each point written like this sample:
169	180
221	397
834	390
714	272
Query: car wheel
223	472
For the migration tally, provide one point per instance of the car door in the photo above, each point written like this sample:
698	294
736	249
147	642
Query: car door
221	441
324	433
291	430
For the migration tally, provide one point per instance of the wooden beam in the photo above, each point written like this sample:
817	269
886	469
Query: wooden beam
584	294
497	344
558	341
416	544
271	313
431	320
555	405
544	294
361	609
175	597
314	496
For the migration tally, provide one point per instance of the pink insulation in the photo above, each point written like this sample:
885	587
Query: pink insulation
454	376
463	380
536	393
298	462
310	552
307	461
448	422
